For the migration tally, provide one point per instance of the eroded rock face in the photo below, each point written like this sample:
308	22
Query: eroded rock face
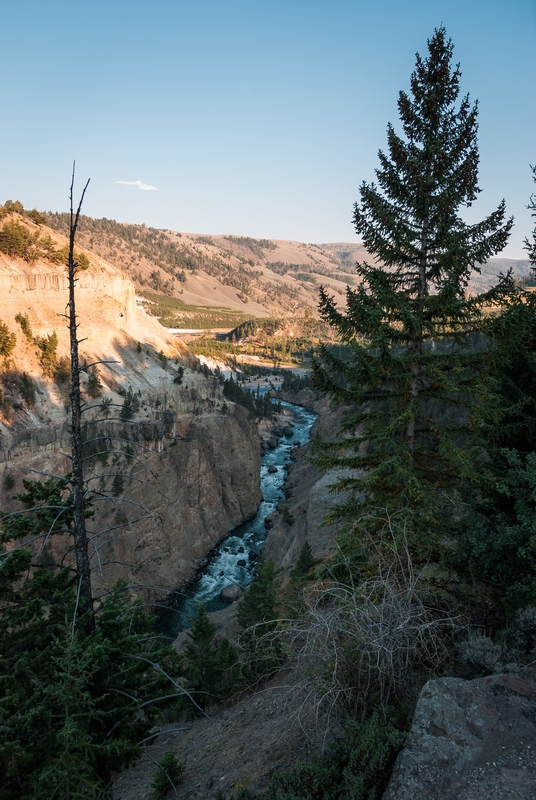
187	497
470	740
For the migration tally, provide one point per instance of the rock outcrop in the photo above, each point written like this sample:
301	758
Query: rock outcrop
470	740
180	502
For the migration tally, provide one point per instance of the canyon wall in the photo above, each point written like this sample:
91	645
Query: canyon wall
184	469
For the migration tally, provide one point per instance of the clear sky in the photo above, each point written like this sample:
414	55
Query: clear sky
252	117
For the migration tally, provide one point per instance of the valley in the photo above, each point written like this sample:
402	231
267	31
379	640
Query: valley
174	330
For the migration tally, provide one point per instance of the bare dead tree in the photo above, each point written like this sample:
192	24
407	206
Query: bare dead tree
83	567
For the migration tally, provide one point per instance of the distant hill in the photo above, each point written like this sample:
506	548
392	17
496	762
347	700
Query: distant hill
197	274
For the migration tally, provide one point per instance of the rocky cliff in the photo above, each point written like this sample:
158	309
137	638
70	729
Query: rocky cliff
183	465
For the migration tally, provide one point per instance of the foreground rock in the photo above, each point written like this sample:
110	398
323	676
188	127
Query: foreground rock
470	740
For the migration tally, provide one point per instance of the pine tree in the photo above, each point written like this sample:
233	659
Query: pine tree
258	616
531	247
410	366
208	664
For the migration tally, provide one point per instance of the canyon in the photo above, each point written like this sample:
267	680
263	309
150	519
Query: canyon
187	462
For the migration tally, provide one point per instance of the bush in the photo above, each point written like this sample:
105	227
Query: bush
27	390
131	405
62	370
354	768
168	776
8	341
94	386
47	351
8	481
24	322
305	561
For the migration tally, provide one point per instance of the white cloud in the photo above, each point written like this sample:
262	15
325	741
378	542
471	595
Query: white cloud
143	186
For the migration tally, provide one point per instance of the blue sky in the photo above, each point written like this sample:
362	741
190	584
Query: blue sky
248	117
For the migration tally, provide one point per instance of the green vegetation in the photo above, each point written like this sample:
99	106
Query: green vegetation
47	351
305	562
257	614
259	404
209	668
94	386
70	693
156	247
295	383
439	437
167	776
354	768
174	313
18	241
24	322
8	340
414	376
131	405
27	390
255	246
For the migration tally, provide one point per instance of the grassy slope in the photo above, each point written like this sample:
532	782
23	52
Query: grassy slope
239	276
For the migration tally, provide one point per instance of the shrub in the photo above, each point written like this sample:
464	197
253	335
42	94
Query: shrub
27	389
168	775
62	370
8	481
24	322
8	340
118	484
94	386
47	351
305	561
131	405
354	768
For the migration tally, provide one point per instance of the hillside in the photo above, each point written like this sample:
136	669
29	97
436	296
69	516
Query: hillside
220	281
34	336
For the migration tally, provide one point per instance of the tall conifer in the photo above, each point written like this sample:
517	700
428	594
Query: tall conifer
530	247
409	375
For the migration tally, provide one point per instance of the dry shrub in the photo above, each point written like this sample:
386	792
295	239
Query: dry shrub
363	642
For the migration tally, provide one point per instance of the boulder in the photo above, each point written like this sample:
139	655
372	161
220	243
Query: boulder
231	593
470	739
272	469
241	562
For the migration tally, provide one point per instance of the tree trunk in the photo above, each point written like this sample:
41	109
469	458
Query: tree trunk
83	568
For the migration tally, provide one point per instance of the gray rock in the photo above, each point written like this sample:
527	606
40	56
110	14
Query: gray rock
231	593
241	562
272	469
470	740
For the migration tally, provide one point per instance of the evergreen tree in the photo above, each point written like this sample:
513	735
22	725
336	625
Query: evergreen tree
70	693
531	247
209	665
411	357
305	561
258	616
94	386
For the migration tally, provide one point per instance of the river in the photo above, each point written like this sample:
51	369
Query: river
233	560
